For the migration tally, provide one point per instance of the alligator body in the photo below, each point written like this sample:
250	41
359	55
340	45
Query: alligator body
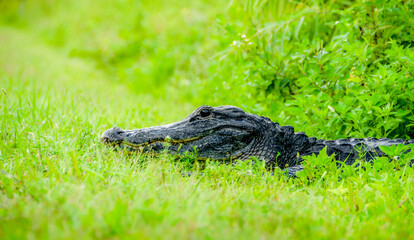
229	133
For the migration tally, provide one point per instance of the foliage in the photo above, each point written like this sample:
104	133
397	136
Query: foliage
325	63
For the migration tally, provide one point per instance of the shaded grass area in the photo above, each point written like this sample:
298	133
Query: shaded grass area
58	181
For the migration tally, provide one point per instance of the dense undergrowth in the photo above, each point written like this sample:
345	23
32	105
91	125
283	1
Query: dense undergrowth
71	69
344	65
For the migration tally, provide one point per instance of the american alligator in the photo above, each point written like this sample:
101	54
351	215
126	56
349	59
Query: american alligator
229	133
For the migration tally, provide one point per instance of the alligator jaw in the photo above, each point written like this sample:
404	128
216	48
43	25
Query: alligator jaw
144	138
150	144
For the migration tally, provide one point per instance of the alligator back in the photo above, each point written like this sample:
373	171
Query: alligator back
348	150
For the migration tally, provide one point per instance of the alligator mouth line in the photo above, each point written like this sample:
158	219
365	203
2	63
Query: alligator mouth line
166	140
172	141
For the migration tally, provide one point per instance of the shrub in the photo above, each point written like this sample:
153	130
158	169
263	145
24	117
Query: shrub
331	69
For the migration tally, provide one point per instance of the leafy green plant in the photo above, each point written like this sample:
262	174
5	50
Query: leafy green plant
401	155
327	63
316	167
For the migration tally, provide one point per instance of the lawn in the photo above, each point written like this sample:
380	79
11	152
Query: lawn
60	89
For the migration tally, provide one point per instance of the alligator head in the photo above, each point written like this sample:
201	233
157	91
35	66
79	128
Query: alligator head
216	133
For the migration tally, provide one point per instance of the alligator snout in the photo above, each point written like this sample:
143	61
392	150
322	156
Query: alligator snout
113	135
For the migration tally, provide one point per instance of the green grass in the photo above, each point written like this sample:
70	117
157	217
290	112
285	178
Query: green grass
57	181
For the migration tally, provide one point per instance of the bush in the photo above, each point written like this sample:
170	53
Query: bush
328	68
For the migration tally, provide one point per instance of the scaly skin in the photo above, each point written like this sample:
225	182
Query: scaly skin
228	133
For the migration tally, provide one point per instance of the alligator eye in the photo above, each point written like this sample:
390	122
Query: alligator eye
205	113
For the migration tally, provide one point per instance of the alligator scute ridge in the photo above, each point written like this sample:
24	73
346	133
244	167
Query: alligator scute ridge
229	133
